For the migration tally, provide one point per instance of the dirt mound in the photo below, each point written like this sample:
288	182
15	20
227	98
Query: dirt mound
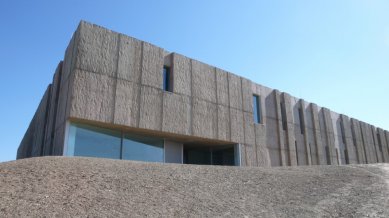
62	186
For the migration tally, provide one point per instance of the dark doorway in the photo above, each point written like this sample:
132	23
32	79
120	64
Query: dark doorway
209	155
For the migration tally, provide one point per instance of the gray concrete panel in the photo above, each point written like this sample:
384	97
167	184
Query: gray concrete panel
263	157
251	155
235	91
203	81
182	75
290	137
387	143
127	98
243	155
204	122
274	155
223	123
312	148
176	113
306	141
53	110
150	108
237	127
272	135
371	143
264	93
247	97
97	49
384	145
39	123
351	149
222	87
339	145
70	56
330	137
365	143
152	65
377	150
272	106
63	105
249	132
130	59
370	146
58	141
93	97
275	106
357	138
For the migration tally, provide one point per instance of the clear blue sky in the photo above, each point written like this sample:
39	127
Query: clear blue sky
334	53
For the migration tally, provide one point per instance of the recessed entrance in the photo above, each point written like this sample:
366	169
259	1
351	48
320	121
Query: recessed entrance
226	155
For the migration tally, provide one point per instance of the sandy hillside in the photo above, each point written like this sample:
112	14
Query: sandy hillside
60	186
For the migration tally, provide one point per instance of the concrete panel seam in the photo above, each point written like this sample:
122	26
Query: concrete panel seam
229	105
244	122
217	109
116	79
140	82
191	98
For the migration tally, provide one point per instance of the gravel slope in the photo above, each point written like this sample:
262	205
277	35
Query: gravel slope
68	187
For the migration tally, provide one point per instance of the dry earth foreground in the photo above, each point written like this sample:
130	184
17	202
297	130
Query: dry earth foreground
68	187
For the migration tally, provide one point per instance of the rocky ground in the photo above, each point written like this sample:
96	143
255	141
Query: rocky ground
68	187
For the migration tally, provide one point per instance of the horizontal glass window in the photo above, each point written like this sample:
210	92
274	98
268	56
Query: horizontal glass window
142	148
89	141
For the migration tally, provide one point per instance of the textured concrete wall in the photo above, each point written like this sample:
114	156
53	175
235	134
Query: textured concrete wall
52	111
114	80
33	142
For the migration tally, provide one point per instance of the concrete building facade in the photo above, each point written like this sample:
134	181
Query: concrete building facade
118	97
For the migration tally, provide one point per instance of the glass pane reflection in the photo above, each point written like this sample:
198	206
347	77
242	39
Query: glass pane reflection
142	148
92	141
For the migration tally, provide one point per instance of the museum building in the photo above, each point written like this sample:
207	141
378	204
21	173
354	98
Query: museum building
117	97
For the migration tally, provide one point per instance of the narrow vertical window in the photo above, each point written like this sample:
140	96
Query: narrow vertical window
257	109
166	79
301	118
283	116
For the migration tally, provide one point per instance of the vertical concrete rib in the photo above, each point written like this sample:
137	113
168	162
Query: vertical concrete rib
228	103
116	78
306	142
364	142
384	145
45	119
280	131
53	109
217	100
244	123
370	145
386	136
140	82
357	137
290	129
330	137
351	151
317	134
378	154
